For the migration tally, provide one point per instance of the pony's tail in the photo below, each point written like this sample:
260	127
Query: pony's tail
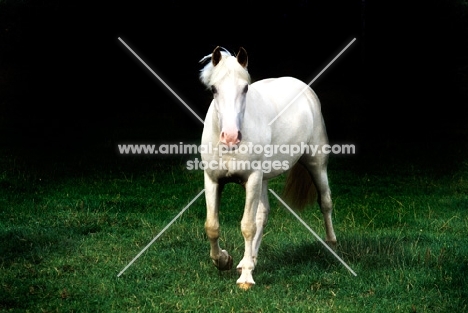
299	189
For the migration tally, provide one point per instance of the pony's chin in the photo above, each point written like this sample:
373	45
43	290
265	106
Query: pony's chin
231	146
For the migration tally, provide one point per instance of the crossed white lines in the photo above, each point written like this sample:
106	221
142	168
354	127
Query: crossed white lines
315	78
201	192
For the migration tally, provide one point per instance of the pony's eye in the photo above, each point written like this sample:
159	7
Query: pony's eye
213	89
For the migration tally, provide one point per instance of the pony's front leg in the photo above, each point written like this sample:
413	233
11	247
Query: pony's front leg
253	189
221	259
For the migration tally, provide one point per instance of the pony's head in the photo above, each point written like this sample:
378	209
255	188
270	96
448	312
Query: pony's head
228	79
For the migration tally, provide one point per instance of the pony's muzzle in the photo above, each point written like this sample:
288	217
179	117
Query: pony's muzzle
230	138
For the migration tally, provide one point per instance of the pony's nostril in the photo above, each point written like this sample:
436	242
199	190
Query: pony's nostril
230	138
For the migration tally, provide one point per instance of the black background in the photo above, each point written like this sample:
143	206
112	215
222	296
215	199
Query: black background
68	86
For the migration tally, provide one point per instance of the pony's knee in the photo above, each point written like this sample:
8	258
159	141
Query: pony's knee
248	230
212	230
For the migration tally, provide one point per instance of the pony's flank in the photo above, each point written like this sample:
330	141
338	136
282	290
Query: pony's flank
228	66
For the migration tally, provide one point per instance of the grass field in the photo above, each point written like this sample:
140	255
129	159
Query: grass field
68	229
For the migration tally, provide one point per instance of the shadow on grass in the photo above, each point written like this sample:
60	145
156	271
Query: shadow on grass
297	257
370	255
32	245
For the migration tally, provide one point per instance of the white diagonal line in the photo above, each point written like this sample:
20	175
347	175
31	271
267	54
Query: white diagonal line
313	233
160	233
318	75
162	81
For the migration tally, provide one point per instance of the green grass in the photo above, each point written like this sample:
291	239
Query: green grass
68	229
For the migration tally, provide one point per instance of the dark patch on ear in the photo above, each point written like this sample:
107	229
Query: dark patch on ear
242	57
216	56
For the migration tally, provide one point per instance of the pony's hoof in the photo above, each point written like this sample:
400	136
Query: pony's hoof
226	266
332	244
245	286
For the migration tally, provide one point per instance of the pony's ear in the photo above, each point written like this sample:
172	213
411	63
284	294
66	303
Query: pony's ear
242	57
216	56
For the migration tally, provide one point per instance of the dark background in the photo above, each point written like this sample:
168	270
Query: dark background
68	87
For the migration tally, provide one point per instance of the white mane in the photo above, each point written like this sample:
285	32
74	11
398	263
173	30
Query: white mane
227	66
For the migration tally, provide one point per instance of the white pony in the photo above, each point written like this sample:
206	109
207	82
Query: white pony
247	148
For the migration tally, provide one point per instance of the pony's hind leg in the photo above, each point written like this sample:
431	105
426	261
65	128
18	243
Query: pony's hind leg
317	167
221	259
